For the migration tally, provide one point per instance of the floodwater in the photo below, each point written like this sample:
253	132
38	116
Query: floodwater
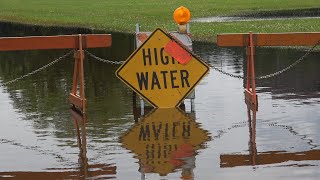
237	19
311	13
42	138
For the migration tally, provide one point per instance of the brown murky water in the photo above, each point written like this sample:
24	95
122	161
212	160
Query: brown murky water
41	138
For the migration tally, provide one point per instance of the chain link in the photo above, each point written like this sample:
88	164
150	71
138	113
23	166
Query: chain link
269	75
226	73
103	60
38	70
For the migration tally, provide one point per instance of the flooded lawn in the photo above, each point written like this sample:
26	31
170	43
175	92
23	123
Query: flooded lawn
313	13
237	19
40	137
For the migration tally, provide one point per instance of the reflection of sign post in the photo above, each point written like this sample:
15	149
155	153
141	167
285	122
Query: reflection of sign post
164	140
158	77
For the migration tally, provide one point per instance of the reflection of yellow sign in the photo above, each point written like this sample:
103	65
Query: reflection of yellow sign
164	140
158	77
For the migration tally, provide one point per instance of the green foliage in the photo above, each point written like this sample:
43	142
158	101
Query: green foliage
120	15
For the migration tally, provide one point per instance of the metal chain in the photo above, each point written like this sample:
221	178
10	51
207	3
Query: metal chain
226	73
273	74
103	60
290	66
38	70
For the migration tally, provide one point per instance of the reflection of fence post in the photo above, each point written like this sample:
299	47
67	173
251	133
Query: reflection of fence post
252	120
81	141
250	92
78	75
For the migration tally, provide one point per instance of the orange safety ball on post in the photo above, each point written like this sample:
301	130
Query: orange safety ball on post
181	15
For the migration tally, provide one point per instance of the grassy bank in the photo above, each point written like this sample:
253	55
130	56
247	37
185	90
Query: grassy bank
121	15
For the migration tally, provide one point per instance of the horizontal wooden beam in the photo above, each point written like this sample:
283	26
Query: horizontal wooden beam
272	157
54	42
65	173
269	39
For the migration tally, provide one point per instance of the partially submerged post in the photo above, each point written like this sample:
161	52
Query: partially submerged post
78	76
247	41
251	40
182	17
77	42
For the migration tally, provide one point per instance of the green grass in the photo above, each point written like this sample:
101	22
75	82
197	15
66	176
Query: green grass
211	29
120	15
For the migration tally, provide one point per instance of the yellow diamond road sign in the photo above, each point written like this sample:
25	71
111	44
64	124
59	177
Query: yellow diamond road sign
158	77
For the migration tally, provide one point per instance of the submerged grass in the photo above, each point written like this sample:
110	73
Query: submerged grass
122	15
